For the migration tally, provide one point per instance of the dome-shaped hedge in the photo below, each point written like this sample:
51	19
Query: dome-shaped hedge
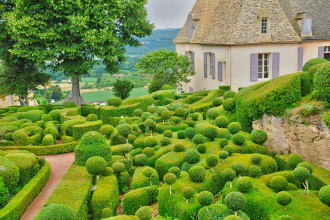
96	165
205	198
144	213
259	136
238	139
192	157
255	171
278	183
150	141
235	201
55	212
234	127
244	184
324	194
106	130
232	217
198	139
9	173
197	173
229	104
322	83
201	148
283	198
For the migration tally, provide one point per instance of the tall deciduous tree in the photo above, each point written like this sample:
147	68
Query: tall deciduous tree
17	75
70	35
168	68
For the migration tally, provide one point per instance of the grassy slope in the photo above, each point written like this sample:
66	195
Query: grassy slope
105	95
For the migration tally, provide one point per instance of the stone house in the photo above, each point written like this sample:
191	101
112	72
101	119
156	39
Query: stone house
242	42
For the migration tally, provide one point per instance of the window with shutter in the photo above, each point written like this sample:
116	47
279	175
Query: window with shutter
275	65
254	67
300	58
321	52
327	53
205	65
263	66
220	71
212	65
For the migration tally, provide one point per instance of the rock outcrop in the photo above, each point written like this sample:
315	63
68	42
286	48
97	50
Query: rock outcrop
309	138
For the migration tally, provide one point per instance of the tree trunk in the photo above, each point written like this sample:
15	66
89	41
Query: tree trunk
75	91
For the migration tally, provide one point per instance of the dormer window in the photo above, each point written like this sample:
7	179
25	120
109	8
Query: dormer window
264	25
307	28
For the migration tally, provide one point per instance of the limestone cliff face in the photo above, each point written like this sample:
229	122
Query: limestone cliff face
309	138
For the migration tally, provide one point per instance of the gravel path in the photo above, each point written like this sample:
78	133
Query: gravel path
59	165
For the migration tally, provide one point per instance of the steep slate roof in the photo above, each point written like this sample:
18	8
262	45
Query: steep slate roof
231	22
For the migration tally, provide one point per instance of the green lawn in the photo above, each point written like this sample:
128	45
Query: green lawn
107	94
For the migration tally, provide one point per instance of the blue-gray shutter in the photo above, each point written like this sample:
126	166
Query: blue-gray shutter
190	26
212	67
276	65
254	67
321	52
220	71
191	89
300	58
193	61
205	65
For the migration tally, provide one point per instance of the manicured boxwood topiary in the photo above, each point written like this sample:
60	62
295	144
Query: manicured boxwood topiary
188	193
192	157
212	161
322	83
285	217
189	132
198	139
223	142
96	165
144	213
150	141
9	173
181	112
205	198
168	133
181	135
116	101
238	139
48	140
169	179
197	173
229	94
176	171
211	133
137	112
222	121
212	113
229	149
229	104
55	212
232	217
255	171
256	159
217	102
294	160
283	198
4	194
140	160
278	183
201	148
179	148
223	155
324	195
164	141
148	151
312	62
306	165
92	144
259	136
92	117
239	168
235	201
234	127
244	184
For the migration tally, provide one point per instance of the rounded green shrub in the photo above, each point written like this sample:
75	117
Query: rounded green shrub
188	192
205	198
166	114
175	120
229	94
48	140
195	116
312	62
306	165
239	168
198	139
232	217
259	136
197	173
106	213
169	178
92	144
181	112
181	135
301	173
46	117
116	101
223	142
212	161
283	198
192	157
228	174
21	138
164	141
223	155
322	83
96	165
118	167
124	129
55	212
160	109
145	115
9	173
211	133
176	171
234	127
217	102
238	139
137	112
189	132
144	213
179	148
222	121
256	159
278	183
235	201
92	117
229	104
294	160
255	171
324	195
244	184
4	193
140	160
150	141
212	113
229	149
108	172
152	109
168	133
148	151
201	148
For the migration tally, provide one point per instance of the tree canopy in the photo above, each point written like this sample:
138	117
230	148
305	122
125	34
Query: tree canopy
70	36
168	68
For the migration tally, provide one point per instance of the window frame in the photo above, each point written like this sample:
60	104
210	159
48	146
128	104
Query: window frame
327	52
191	58
264	66
264	25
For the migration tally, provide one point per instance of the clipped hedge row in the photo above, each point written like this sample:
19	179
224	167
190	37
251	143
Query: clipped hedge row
106	195
272	97
22	200
205	103
79	130
75	188
45	150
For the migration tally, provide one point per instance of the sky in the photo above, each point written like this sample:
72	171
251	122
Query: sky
169	13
